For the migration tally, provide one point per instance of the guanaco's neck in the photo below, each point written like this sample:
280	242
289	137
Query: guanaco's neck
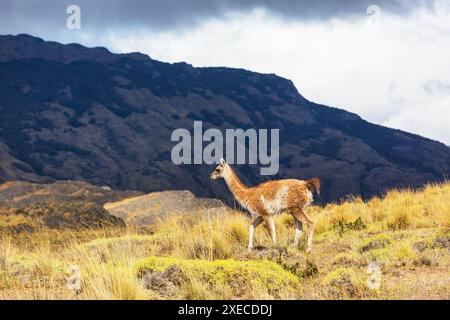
237	188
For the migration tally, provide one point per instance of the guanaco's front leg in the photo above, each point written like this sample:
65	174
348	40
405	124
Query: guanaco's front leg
251	232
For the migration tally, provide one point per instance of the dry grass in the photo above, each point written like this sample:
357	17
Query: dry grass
407	233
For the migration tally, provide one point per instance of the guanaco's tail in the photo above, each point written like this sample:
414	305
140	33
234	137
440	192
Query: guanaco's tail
313	183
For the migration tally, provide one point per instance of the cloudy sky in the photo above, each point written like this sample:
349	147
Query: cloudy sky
387	60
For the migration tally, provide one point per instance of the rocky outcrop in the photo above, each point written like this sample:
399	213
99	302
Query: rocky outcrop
147	209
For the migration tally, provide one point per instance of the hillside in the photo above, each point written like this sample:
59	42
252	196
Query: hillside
26	206
33	207
203	256
19	194
76	113
148	209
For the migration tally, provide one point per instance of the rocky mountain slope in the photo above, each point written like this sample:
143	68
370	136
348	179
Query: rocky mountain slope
20	194
70	112
26	206
146	209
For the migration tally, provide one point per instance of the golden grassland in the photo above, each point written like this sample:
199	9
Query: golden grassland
204	255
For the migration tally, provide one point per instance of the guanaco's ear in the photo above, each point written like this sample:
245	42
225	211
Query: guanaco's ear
222	161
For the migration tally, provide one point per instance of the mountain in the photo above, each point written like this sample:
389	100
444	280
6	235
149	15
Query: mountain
74	113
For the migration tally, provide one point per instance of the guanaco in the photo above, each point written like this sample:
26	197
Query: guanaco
270	198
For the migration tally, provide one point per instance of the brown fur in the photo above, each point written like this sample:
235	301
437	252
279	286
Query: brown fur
313	183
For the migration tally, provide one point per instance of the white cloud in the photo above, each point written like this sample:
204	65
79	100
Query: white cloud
383	72
430	120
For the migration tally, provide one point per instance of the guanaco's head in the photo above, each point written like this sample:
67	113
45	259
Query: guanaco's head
219	171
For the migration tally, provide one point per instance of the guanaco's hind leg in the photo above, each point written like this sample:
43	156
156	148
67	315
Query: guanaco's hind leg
272	231
298	231
312	225
251	232
304	217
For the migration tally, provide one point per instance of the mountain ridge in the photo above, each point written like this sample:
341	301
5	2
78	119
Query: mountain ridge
22	46
107	119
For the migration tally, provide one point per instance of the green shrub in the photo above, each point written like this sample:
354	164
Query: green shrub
377	242
240	277
342	226
344	283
